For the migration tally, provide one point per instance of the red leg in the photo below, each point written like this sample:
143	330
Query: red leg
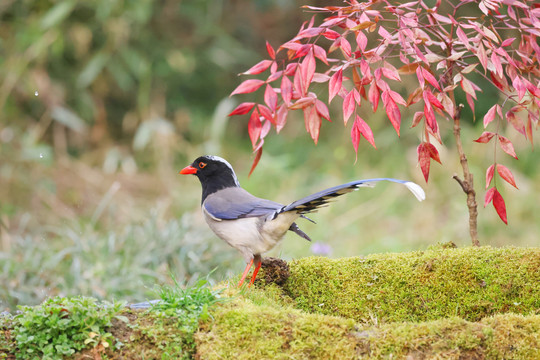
248	266
257	267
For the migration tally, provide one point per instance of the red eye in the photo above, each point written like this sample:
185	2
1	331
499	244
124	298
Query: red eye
202	165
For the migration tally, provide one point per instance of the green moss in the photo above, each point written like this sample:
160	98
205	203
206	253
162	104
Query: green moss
470	283
454	338
243	330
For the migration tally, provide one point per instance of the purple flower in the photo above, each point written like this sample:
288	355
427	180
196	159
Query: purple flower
321	249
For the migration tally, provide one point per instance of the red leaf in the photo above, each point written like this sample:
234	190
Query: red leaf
346	47
384	33
299	83
349	105
322	109
498	82
415	96
266	126
258	68
430	117
516	122
274	76
320	53
420	54
373	95
429	97
361	40
256	160
433	152
461	36
497	63
489	196
489	175
507	146
286	90
424	159
532	89
391	74
392	110
312	121
266	113
302	103
355	137
334	85
490	115
500	206
271	51
361	128
519	86
507	42
270	98
417	117
468	87
281	117
248	86
307	68
243	108
485	137
254	127
430	79
481	55
290	70
331	34
420	76
506	174
309	32
303	50
397	98
470	101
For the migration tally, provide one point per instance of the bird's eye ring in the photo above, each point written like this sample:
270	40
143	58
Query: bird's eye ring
202	165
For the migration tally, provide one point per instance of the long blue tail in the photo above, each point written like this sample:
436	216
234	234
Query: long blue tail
321	198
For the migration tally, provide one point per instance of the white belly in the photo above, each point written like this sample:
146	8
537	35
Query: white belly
251	236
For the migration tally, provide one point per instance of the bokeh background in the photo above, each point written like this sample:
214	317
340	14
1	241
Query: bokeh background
102	102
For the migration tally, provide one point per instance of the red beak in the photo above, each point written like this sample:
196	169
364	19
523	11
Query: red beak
188	170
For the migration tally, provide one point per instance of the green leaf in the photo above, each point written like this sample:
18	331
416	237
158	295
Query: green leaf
68	118
92	69
56	14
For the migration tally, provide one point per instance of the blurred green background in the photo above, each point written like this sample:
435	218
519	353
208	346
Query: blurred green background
102	102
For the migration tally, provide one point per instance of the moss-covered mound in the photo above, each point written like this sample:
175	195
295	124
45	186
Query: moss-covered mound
470	283
243	330
472	303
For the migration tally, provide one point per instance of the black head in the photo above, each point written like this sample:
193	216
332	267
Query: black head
213	172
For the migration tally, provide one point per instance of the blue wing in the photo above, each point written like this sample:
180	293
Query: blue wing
237	203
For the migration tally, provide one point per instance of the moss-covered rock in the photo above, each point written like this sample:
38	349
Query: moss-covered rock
470	303
243	330
470	283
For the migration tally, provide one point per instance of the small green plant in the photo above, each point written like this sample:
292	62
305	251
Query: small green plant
186	306
62	326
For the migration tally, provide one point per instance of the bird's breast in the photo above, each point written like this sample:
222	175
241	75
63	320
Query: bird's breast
251	235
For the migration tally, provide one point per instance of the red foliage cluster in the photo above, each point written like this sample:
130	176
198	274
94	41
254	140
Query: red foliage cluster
374	43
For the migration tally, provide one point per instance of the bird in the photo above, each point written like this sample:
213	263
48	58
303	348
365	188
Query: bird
253	225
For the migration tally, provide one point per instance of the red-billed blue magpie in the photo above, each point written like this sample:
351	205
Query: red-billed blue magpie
253	225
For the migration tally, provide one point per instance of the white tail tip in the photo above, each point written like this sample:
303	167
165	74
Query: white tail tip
416	190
